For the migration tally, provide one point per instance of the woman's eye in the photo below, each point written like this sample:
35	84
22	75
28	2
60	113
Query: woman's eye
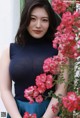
33	19
45	20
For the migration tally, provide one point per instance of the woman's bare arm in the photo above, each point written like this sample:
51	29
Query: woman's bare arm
6	86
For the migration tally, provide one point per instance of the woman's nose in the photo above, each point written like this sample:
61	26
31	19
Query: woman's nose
38	23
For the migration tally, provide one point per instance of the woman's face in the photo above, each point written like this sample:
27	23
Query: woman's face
39	23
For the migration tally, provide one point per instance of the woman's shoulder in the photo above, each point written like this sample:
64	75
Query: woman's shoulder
14	44
15	47
4	57
5	54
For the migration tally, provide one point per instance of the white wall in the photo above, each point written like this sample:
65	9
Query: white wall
9	22
9	19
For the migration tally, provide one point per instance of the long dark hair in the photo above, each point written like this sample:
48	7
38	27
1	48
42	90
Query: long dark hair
54	19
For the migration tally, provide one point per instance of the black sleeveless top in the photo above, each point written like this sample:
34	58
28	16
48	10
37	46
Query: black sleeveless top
27	62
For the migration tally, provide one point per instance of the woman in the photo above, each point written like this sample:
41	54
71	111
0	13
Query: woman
23	60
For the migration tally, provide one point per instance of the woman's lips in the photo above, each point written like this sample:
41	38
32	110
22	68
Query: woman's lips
37	31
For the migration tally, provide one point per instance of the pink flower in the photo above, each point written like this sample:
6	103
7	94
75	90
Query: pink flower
29	98
42	88
49	82
34	116
40	79
78	107
70	101
67	19
36	92
66	35
46	65
51	65
39	99
30	93
60	6
55	108
78	42
27	115
44	82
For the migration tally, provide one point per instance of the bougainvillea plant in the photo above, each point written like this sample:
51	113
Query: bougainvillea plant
67	41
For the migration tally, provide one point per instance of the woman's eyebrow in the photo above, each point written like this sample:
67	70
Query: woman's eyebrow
42	16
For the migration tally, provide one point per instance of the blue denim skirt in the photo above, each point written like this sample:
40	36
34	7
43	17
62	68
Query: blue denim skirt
38	108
